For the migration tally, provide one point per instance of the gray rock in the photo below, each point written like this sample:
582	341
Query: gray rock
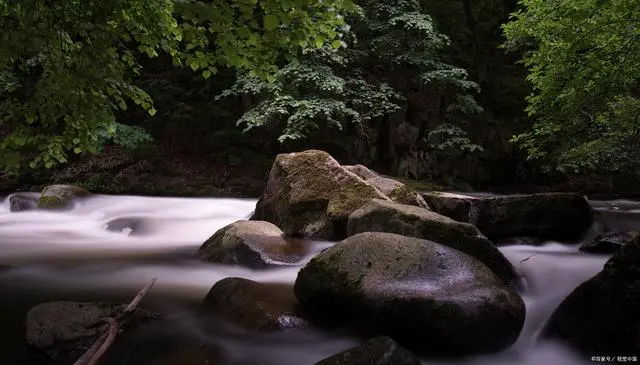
22	202
256	306
309	194
60	196
255	244
558	216
395	190
65	330
609	242
407	220
379	351
600	317
425	295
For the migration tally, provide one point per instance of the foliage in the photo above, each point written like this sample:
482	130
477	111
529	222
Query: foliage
67	67
392	47
584	62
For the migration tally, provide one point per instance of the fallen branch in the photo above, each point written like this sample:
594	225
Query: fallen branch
527	258
102	344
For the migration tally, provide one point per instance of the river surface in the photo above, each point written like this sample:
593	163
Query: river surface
108	247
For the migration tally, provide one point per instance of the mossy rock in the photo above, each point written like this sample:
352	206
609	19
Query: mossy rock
601	315
407	220
254	244
254	306
309	194
60	196
427	296
557	216
394	189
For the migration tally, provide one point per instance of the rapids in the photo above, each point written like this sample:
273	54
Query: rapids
108	247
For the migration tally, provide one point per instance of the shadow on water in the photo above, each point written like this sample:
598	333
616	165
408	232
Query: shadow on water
108	247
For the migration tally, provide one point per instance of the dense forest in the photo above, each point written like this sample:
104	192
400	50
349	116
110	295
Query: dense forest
175	97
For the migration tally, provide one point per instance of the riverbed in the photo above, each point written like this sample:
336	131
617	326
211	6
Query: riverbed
108	247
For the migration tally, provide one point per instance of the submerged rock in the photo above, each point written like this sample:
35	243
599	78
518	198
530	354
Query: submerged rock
60	196
22	203
558	216
395	190
63	331
309	194
379	351
425	295
385	216
255	306
600	317
609	242
255	244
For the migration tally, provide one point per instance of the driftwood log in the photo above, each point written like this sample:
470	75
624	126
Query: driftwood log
102	344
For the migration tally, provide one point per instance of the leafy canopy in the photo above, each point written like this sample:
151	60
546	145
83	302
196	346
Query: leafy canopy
584	63
68	67
389	47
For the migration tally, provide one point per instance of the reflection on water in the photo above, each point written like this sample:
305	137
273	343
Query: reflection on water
108	247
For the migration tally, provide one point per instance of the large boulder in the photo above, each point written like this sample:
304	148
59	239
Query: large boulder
255	306
600	317
407	220
560	216
60	196
394	189
63	331
309	194
255	244
425	295
609	242
380	350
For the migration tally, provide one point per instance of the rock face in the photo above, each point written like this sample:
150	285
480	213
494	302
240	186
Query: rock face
255	306
601	317
309	194
255	244
196	355
425	295
560	216
62	331
60	196
22	203
379	351
395	190
384	216
609	242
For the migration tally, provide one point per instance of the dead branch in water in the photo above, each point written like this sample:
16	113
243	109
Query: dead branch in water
102	344
528	257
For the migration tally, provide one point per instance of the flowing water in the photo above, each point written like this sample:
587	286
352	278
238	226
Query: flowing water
108	247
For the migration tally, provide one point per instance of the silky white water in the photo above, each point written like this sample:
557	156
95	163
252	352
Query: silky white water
111	246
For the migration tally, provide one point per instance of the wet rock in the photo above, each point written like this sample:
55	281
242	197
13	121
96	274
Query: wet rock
454	206
427	296
600	317
255	244
22	203
379	350
557	216
63	331
407	220
196	355
256	306
60	196
609	242
309	194
393	189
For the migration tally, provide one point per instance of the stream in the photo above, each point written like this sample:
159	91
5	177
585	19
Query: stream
108	247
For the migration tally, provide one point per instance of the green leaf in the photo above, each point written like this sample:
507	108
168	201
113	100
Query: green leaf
206	74
152	112
271	22
335	44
